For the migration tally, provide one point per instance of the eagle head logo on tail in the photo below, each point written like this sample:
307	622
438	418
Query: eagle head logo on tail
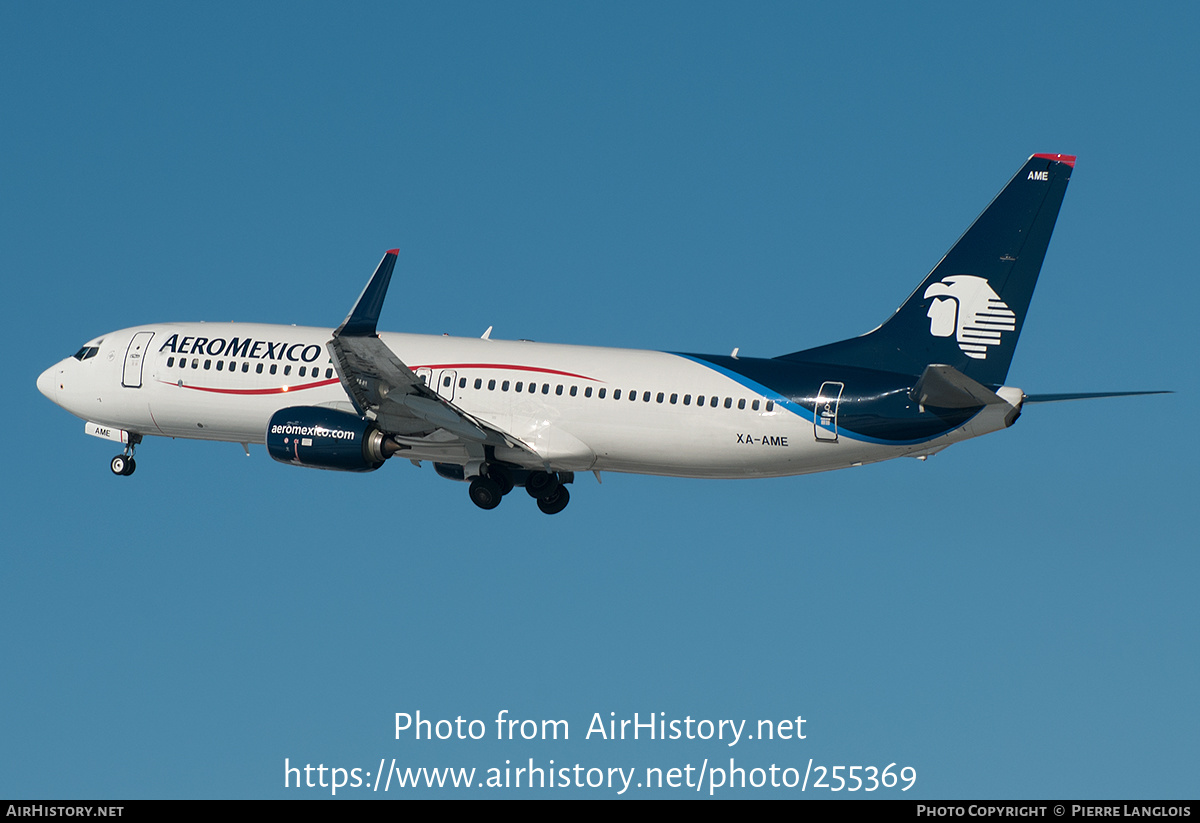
966	306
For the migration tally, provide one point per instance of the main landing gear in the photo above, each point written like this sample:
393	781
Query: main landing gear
496	481
124	464
551	495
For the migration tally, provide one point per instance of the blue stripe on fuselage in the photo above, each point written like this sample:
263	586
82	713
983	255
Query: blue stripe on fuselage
795	382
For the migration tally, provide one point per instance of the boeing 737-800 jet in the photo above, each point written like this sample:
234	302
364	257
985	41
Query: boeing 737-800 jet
501	414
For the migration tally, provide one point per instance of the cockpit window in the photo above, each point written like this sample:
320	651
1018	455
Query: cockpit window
86	353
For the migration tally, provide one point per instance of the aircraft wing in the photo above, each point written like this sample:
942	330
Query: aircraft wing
380	383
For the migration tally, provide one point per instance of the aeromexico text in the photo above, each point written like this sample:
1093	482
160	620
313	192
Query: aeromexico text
243	347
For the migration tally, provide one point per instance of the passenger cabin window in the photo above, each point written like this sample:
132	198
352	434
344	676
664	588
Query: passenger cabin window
478	383
602	392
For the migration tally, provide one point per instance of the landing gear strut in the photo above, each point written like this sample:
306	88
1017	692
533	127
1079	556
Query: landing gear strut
541	484
501	476
124	464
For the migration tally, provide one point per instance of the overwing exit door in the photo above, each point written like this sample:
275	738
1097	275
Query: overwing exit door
445	386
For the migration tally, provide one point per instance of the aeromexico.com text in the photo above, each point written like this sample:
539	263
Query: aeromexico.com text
243	347
312	431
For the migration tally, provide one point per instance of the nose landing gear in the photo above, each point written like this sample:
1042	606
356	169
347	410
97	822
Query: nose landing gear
124	464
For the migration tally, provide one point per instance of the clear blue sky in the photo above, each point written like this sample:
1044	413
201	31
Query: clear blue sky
1015	617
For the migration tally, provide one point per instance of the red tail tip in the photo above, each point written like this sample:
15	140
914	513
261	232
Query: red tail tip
397	251
1069	159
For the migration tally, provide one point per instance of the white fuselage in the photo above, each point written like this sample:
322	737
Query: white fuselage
579	408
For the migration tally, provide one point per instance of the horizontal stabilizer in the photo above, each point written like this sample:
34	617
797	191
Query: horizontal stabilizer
1054	398
945	387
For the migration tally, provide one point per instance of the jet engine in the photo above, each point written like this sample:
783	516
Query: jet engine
320	438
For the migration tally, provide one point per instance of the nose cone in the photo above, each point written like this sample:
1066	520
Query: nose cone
47	384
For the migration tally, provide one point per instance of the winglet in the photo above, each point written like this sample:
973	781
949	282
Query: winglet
364	317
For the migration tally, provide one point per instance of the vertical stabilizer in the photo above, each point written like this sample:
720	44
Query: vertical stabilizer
969	311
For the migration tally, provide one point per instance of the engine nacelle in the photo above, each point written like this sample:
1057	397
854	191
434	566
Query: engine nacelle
320	438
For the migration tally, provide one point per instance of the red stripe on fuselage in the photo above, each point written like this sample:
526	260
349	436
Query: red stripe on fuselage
335	381
502	367
276	390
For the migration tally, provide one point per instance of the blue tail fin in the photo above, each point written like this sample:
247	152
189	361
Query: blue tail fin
969	311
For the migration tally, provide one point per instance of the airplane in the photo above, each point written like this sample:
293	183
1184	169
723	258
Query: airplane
502	414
